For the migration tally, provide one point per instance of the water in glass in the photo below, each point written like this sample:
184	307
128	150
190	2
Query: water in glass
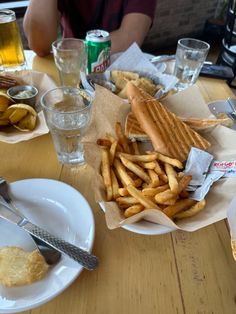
67	131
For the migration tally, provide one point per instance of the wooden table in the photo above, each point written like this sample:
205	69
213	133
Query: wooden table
179	272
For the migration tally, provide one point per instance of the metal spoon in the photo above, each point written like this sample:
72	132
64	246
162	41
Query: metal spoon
51	255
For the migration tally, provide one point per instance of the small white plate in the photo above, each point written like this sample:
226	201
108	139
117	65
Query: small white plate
144	227
63	211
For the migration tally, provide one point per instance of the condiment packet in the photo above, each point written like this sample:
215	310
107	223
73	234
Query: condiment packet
200	193
197	166
134	60
231	217
227	167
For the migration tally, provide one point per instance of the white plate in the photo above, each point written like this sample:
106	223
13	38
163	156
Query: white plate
144	227
62	211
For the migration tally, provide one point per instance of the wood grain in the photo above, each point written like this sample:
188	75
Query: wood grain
184	273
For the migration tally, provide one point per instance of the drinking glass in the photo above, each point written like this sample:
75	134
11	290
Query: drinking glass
67	115
190	56
11	50
70	58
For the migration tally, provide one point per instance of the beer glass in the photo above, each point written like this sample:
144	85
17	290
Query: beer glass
70	58
11	50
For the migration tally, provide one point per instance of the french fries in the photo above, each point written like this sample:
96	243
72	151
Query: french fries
171	174
136	169
121	137
137	181
192	211
132	210
106	173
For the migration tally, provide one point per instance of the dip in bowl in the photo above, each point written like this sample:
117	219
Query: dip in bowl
25	94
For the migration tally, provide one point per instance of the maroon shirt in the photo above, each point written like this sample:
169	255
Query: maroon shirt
80	16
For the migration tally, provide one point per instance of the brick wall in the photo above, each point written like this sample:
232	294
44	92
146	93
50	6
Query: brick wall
179	18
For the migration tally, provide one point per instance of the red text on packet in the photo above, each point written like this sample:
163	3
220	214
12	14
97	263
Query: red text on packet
226	164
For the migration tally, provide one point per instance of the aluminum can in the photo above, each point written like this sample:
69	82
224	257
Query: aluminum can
98	49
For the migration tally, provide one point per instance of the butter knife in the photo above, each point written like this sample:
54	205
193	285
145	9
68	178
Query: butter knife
84	258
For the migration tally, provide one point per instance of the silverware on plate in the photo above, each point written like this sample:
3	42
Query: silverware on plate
83	257
50	255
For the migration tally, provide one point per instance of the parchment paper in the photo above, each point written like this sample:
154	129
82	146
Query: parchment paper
43	83
109	108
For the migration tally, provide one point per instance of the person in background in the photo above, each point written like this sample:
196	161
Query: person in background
127	21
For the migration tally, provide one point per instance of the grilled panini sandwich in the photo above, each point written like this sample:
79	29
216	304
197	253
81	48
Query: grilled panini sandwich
169	135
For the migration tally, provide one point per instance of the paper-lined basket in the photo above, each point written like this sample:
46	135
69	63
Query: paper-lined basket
134	60
43	83
108	109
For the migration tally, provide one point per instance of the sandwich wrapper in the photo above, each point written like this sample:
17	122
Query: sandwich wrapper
134	60
109	108
43	83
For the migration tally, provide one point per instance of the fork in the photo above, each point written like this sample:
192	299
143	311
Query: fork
51	255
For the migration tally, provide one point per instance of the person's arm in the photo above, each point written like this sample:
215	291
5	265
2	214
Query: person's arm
41	25
134	28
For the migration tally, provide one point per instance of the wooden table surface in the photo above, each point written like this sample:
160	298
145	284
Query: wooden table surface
178	272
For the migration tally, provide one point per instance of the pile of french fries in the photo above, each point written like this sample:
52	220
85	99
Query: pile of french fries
138	181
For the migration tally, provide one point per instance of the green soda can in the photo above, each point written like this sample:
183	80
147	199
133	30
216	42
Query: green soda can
98	49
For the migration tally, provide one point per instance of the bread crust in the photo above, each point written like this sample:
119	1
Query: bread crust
140	110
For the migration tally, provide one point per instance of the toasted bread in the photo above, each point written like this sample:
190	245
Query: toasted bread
169	135
204	124
133	129
120	78
18	267
146	84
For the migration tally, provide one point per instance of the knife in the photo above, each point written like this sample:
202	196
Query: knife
84	258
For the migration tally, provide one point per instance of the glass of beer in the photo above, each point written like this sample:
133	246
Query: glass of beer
11	50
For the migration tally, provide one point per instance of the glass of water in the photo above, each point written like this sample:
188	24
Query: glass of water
71	59
190	56
67	115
